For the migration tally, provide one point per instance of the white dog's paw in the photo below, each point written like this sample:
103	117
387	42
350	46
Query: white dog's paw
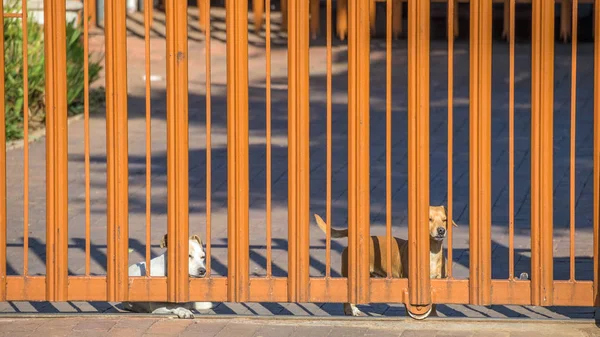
352	310
183	313
203	305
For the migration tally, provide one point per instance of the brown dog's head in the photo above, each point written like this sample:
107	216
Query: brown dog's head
438	222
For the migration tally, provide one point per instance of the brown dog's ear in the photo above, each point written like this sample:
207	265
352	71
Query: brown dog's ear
163	242
454	224
197	238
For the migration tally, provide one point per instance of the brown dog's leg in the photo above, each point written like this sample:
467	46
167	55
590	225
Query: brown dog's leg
349	308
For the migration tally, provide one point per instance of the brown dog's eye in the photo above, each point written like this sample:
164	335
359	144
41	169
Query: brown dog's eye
430	219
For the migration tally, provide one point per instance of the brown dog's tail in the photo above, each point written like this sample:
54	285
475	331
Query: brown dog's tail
335	233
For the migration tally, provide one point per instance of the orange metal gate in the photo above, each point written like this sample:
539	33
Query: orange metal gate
418	291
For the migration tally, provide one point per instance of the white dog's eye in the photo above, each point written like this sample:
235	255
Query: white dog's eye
191	257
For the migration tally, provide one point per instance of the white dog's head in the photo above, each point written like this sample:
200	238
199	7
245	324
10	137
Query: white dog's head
197	256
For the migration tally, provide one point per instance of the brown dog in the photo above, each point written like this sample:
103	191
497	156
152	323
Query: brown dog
438	220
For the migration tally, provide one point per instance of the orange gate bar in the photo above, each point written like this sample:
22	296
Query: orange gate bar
480	163
542	114
419	285
116	152
177	151
56	151
3	195
597	153
358	152
237	151
298	152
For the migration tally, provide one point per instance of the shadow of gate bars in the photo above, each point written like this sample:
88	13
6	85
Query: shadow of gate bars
418	292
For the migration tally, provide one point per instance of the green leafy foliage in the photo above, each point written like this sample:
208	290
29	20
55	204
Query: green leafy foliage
13	72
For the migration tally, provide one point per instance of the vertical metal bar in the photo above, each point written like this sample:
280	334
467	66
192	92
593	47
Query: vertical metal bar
419	284
511	142
328	155
388	136
450	34
542	113
315	17
480	276
206	14
177	151
3	195
25	139
268	140
298	150
358	151
237	152
117	151
86	131
202	9
258	8
572	161
596	224
56	151
147	23
284	15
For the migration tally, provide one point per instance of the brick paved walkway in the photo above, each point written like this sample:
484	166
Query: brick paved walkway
243	327
137	205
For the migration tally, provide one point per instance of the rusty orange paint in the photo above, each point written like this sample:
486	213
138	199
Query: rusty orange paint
480	148
237	152
116	151
56	151
419	293
3	215
177	151
298	151
358	151
542	113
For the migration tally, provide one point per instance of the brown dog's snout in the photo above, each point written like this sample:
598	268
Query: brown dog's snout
441	231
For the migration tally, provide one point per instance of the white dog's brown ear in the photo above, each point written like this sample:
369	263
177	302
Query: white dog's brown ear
163	242
197	238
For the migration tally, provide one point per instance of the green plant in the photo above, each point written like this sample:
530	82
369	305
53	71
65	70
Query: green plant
13	73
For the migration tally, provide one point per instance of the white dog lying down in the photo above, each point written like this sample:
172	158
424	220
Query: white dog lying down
158	267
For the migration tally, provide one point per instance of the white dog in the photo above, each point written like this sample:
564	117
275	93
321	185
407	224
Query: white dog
158	267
